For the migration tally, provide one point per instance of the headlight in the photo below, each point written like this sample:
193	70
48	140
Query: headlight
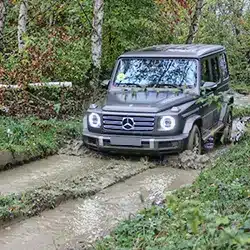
167	123
94	120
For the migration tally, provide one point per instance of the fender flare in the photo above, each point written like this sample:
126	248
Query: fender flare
190	123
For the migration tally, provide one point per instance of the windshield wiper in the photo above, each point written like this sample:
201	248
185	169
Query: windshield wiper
129	85
159	85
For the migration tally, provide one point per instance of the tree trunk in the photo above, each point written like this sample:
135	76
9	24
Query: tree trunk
238	15
193	29
2	21
22	23
97	38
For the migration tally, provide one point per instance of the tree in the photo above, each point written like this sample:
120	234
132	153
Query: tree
97	37
193	29
2	21
22	23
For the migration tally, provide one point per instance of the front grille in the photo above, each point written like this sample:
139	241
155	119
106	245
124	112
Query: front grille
141	123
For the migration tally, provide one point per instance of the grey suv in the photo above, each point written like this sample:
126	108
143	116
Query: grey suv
162	100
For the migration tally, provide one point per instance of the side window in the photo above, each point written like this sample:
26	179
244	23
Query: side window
215	69
205	75
223	66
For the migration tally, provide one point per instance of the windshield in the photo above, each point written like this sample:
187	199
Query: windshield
156	73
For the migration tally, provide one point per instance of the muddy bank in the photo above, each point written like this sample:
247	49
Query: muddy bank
9	159
80	222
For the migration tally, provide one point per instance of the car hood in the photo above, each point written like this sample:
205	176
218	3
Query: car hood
144	101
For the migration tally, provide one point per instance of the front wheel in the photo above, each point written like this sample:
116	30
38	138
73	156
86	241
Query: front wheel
194	140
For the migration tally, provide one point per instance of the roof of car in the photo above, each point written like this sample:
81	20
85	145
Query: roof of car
185	50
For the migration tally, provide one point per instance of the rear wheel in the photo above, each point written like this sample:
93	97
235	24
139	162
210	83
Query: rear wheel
225	135
194	140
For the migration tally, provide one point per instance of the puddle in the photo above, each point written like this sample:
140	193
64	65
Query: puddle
35	174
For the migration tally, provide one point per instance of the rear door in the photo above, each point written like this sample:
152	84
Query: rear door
209	111
216	77
224	72
223	87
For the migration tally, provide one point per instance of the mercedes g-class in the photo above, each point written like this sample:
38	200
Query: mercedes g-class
162	99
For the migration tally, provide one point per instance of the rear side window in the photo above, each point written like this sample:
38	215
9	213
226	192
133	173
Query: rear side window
223	66
215	69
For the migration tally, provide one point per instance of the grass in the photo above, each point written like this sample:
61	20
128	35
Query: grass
241	111
214	213
31	135
241	88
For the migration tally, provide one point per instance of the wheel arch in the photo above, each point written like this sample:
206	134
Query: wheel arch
196	119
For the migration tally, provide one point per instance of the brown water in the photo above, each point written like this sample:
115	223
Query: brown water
80	222
59	168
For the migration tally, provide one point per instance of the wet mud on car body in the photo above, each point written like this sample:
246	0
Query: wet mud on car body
152	104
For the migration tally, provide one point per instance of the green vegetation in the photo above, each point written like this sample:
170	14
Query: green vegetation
8	206
239	111
214	213
34	136
241	88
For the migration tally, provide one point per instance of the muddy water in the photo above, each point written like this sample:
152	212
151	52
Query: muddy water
77	223
59	168
38	173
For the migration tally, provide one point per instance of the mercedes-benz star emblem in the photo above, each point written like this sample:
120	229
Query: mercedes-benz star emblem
128	123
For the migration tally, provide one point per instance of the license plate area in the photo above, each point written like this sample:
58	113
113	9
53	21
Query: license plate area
125	141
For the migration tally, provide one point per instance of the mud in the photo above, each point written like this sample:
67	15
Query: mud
78	223
241	100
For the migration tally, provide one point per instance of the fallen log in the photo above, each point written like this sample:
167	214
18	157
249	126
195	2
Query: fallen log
47	84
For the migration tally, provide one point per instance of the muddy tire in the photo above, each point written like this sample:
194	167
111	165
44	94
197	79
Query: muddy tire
194	140
224	136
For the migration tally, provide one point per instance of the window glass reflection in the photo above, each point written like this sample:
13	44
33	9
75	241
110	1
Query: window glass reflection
157	72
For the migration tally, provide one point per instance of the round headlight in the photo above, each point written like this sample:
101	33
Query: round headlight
167	123
94	120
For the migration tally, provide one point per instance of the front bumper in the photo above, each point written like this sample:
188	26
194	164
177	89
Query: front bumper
135	144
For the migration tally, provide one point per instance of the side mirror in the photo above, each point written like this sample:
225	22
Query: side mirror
209	85
105	84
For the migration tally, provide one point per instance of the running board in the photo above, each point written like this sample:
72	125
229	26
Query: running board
213	131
